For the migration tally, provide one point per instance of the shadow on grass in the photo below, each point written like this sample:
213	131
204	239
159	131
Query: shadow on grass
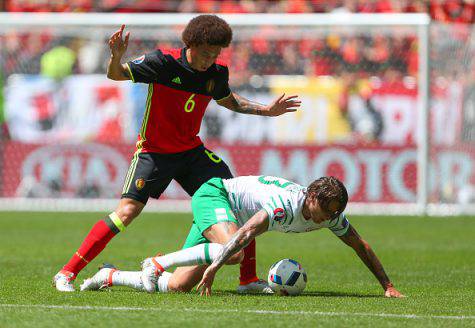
307	294
341	294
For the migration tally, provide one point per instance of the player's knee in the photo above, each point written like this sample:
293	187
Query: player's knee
127	212
236	258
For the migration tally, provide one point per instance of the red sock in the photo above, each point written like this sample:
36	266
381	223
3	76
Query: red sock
248	265
96	240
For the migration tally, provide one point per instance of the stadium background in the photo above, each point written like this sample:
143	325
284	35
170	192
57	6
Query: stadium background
67	134
359	91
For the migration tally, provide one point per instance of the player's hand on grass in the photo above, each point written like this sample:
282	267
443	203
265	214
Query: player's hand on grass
283	105
117	44
204	287
392	292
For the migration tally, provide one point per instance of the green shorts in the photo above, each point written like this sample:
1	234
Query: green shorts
210	205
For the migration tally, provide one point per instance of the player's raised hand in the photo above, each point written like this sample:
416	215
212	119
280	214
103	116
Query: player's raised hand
117	44
393	292
283	105
204	287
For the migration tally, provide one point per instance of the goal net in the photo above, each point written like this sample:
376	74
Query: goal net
367	117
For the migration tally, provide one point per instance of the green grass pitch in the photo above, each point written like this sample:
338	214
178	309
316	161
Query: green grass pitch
431	260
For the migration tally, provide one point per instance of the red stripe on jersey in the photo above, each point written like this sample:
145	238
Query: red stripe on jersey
174	120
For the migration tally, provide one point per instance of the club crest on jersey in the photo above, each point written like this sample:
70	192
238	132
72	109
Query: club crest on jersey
210	86
140	183
138	60
279	214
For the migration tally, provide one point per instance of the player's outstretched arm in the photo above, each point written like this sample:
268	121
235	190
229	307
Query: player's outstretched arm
279	106
118	46
256	225
369	258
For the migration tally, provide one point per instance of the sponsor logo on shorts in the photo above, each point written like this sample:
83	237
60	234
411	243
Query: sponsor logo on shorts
140	183
139	60
279	214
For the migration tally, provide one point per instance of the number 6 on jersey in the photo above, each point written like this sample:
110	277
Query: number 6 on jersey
190	104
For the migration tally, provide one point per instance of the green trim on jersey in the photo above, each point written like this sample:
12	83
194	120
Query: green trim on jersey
130	72
207	257
229	95
143	129
131	171
210	205
285	210
273	201
291	213
235	200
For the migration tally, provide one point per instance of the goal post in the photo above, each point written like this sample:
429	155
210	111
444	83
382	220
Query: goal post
423	118
333	117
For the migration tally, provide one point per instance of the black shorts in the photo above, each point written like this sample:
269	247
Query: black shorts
150	173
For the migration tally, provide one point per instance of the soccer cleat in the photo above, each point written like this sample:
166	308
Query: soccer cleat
256	287
63	281
151	270
101	280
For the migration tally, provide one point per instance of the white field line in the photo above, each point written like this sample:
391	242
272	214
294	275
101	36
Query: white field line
309	313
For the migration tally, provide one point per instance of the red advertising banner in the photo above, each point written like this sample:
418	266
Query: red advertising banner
371	173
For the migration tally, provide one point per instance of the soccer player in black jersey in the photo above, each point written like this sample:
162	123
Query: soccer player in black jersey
181	84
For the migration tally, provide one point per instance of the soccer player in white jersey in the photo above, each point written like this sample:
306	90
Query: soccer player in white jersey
230	213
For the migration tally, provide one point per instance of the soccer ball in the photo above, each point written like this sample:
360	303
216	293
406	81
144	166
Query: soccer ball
287	277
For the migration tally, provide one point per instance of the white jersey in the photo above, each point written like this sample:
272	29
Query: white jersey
281	199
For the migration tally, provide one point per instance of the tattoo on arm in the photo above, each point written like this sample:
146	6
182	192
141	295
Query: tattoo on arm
245	106
237	242
256	225
227	226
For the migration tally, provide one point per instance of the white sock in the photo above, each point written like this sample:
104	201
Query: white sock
127	278
196	255
133	279
163	282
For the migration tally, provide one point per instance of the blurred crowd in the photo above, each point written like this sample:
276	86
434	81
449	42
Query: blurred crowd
391	55
375	53
461	11
388	53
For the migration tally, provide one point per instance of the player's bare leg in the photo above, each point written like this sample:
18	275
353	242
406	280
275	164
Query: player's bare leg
184	278
128	209
96	240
